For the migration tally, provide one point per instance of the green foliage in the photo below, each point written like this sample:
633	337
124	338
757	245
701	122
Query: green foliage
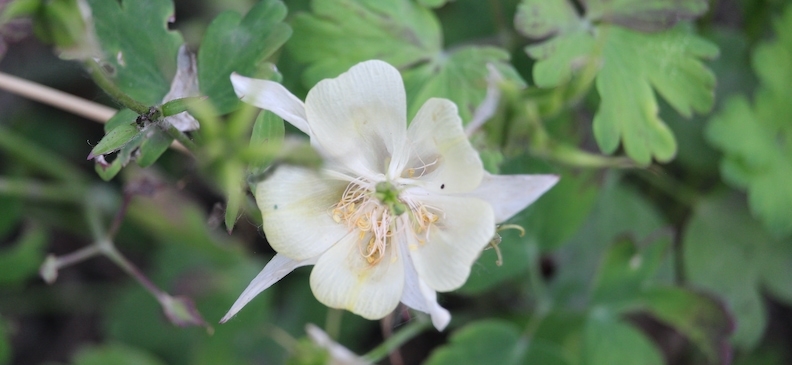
137	45
236	44
21	261
757	139
484	342
114	354
340	33
629	67
599	258
722	234
608	341
5	346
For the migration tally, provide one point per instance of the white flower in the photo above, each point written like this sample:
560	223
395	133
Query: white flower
396	213
339	355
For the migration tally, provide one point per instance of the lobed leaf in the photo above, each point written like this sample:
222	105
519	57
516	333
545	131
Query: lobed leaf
236	44
137	45
729	254
629	66
460	76
341	33
757	139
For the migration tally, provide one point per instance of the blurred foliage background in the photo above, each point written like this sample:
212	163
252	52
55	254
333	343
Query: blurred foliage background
667	241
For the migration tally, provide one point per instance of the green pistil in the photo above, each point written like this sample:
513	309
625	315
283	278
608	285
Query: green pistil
389	195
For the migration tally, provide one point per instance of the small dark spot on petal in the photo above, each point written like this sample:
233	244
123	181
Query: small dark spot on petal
275	207
442	186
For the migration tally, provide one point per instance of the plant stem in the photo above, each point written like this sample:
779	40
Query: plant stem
104	82
32	189
333	322
399	338
181	141
59	99
38	157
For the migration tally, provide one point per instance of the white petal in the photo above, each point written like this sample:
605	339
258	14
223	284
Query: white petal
453	243
509	194
272	96
339	355
275	270
441	158
184	84
417	295
295	205
359	117
342	278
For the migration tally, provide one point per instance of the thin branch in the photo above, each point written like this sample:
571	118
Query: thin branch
56	98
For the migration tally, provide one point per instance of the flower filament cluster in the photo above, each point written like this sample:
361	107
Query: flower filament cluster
374	214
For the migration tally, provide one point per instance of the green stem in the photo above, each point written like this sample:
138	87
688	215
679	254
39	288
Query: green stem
405	334
38	157
104	82
31	189
180	137
670	186
333	322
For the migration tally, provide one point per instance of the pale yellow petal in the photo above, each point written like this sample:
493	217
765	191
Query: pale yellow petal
443	257
441	158
359	117
295	205
342	278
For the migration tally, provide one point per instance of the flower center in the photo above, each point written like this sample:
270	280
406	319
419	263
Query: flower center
374	215
371	213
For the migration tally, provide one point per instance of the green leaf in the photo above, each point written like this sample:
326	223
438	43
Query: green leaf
137	45
21	261
116	354
608	341
630	67
635	64
114	140
757	139
432	3
266	140
460	76
341	33
483	342
5	344
156	142
645	15
236	44
618	212
700	318
541	18
123	117
722	234
626	269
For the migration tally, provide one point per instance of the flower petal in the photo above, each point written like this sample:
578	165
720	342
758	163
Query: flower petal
339	355
342	278
441	158
272	96
453	243
275	270
295	204
360	117
509	194
417	295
